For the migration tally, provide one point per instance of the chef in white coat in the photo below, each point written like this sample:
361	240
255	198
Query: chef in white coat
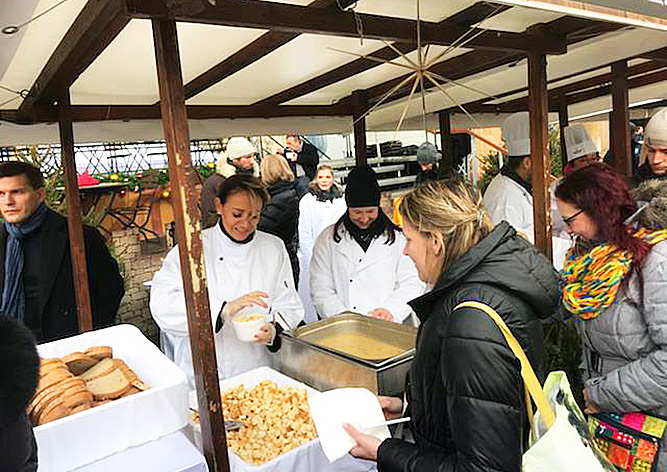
244	268
580	152
509	196
358	263
319	208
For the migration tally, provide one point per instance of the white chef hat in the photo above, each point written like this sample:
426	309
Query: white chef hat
516	133
656	129
578	143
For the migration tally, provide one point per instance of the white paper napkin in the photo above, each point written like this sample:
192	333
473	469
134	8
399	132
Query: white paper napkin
357	406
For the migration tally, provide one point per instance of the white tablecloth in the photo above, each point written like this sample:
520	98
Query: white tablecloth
171	453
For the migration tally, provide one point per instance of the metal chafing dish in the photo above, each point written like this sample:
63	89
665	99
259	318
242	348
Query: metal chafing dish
302	357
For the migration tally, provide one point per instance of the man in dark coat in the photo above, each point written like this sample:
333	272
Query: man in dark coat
303	160
19	373
36	282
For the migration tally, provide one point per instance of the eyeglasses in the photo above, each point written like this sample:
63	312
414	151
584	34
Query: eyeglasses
568	221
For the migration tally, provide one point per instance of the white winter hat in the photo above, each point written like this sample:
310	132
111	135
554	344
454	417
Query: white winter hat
578	143
239	147
656	129
516	133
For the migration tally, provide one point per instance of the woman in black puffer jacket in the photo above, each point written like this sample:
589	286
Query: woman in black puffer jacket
465	392
280	216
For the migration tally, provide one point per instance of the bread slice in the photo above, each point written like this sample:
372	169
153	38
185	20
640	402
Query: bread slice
82	407
78	362
63	384
80	398
109	386
103	367
53	378
131	391
100	352
55	413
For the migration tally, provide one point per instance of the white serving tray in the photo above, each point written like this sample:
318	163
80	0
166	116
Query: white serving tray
305	458
86	437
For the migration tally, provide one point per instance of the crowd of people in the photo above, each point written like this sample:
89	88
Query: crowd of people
283	236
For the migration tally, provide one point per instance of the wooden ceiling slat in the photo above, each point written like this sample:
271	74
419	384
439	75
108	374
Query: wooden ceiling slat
268	42
92	31
304	19
465	18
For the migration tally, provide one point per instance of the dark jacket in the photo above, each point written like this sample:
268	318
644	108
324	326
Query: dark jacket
429	175
308	158
280	217
19	372
209	192
644	173
465	392
57	313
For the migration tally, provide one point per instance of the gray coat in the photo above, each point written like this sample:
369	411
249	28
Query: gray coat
625	347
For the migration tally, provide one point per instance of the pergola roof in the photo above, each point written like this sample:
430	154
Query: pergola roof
256	59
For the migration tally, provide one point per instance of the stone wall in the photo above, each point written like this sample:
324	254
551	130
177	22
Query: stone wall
136	269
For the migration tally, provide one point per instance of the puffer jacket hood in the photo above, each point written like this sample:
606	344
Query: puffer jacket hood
507	261
653	192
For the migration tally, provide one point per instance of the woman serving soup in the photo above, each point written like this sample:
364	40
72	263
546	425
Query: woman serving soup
244	268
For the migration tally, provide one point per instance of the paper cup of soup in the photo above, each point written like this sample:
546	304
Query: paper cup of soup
247	323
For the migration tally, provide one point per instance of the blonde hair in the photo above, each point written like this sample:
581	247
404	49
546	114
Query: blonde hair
450	211
275	168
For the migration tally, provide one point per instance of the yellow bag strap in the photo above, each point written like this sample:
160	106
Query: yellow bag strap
529	378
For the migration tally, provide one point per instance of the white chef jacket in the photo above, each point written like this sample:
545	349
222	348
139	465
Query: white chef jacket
505	199
345	278
232	270
314	216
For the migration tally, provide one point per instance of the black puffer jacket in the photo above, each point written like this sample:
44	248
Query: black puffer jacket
280	217
465	394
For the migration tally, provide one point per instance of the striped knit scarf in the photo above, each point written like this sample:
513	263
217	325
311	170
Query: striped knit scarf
592	279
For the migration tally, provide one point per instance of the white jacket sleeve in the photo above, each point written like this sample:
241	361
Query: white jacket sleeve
286	300
407	287
306	236
322	288
167	300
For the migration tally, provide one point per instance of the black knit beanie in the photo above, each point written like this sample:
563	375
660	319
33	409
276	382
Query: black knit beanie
362	188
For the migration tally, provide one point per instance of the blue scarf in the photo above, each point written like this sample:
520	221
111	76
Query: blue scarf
13	295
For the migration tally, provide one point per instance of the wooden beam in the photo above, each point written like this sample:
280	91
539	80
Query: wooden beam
563	121
447	161
539	151
93	30
190	249
196	112
465	18
74	218
303	19
620	119
359	127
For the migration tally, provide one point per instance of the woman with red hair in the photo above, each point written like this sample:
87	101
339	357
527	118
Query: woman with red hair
616	287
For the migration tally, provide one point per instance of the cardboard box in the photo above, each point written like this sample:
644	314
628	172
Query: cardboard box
307	457
85	437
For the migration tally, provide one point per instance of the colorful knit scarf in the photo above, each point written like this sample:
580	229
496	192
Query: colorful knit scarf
592	279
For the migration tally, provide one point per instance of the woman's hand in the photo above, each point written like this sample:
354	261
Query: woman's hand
232	307
589	407
266	334
392	407
382	314
367	445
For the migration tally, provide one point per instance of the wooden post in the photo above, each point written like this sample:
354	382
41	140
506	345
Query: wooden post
447	162
359	126
563	121
538	105
187	215
74	219
620	119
